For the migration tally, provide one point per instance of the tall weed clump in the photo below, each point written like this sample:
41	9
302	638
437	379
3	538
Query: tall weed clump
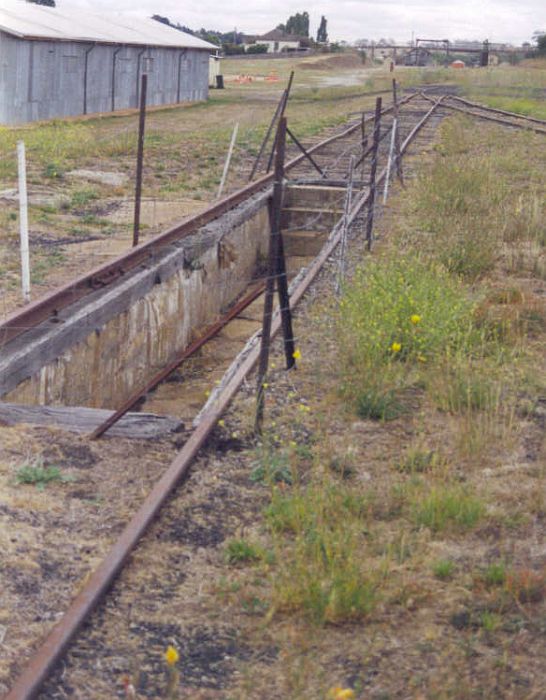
466	213
322	568
458	204
396	318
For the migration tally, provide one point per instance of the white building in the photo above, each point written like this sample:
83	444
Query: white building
278	41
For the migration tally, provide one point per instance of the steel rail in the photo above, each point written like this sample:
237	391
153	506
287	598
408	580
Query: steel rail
52	649
49	306
498	111
487	117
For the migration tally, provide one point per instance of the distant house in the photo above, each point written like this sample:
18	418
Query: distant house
278	41
57	62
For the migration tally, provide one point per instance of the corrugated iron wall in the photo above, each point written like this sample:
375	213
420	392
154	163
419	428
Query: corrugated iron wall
46	79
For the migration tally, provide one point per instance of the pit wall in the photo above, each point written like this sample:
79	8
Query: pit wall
182	293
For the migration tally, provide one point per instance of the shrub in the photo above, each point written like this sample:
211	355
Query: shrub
397	318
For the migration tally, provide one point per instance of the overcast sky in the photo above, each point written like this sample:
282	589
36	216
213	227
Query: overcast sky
498	20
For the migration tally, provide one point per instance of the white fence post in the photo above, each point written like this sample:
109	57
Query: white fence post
389	163
228	160
23	221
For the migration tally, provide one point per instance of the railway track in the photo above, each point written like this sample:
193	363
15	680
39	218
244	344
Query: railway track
418	119
496	116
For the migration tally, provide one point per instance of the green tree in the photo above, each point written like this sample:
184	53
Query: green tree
322	34
49	3
296	24
541	44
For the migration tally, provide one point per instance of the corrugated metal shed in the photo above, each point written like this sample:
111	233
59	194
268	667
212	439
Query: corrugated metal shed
29	21
56	62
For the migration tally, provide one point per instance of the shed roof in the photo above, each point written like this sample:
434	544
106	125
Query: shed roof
279	35
31	21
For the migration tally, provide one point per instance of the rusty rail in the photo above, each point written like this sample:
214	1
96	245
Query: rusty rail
49	306
29	683
488	117
498	111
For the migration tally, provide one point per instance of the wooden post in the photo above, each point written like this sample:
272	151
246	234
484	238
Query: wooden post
398	155
228	160
371	200
305	153
364	142
273	268
140	158
279	112
281	115
345	228
23	221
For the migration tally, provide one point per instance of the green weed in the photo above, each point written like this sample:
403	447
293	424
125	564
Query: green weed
443	569
40	476
495	574
446	507
321	567
238	551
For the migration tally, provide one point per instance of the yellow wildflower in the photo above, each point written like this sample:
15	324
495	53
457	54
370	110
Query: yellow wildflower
415	319
421	358
296	354
221	422
396	347
341	693
171	655
345	694
265	385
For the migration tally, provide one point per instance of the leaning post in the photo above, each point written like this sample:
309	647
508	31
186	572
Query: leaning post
398	155
273	267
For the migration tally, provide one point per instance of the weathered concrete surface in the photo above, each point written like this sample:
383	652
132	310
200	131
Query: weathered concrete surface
111	341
